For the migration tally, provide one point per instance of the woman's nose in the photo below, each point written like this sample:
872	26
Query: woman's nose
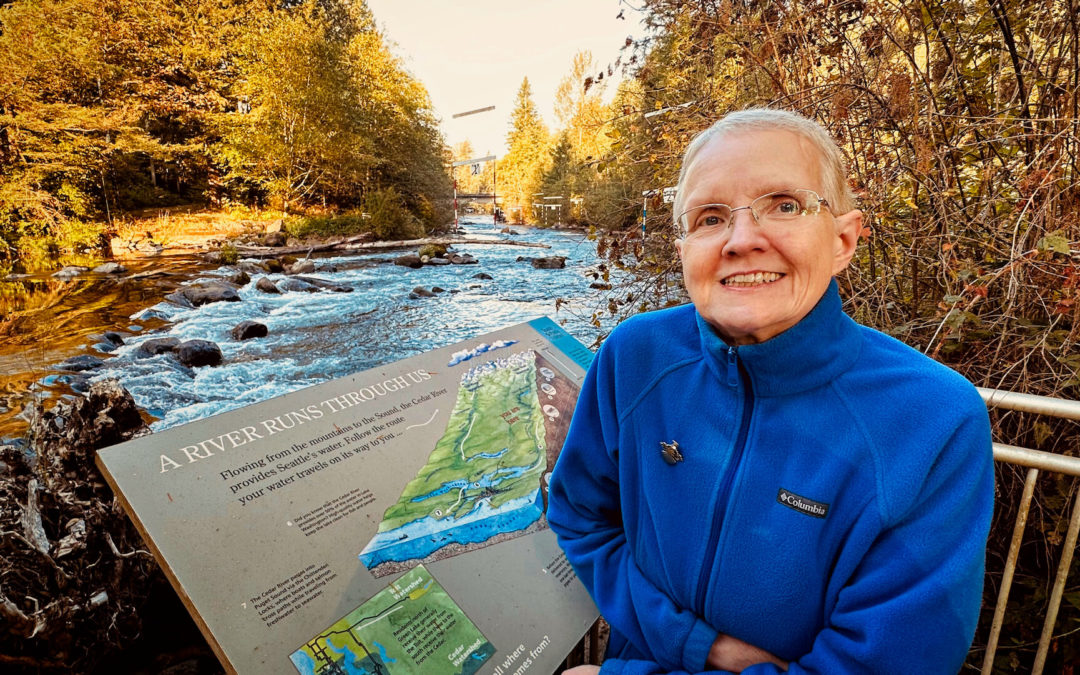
744	234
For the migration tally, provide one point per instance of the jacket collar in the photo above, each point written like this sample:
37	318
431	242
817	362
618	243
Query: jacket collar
813	352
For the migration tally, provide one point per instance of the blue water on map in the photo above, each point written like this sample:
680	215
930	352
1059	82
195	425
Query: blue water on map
382	653
427	535
485	481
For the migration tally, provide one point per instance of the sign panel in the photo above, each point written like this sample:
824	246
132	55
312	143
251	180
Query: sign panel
387	522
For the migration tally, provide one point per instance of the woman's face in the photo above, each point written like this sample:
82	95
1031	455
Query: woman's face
752	282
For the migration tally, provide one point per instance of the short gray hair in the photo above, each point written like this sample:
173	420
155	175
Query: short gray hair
833	170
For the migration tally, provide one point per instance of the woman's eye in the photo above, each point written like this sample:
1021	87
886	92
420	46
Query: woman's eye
787	206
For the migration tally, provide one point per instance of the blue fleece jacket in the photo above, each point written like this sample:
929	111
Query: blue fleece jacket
831	506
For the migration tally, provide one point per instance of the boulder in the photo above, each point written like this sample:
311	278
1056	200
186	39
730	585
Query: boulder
507	230
483	275
437	262
266	286
461	259
155	346
555	262
273	266
79	363
241	278
326	285
205	293
195	353
600	285
246	330
409	260
110	268
421	292
69	272
432	251
302	267
114	337
274	239
297	285
436	289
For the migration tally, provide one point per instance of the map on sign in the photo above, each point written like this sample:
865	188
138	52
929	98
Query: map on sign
482	482
412	626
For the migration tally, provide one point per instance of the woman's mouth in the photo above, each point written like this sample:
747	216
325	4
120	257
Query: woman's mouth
752	279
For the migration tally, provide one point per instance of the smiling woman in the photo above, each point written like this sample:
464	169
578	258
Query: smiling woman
803	491
753	277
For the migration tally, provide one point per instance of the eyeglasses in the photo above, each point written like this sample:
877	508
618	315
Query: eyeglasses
776	208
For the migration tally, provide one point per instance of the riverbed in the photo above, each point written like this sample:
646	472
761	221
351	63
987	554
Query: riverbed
313	337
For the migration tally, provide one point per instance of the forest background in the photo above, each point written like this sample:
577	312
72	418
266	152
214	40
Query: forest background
959	118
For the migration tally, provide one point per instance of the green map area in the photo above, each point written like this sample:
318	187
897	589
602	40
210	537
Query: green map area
482	479
492	448
411	626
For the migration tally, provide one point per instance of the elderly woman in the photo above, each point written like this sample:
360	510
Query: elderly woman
754	482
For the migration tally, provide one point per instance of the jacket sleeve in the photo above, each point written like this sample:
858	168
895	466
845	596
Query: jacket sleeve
584	511
912	603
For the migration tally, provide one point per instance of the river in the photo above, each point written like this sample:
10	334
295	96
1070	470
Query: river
313	337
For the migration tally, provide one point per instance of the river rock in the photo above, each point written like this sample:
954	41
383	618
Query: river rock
266	286
205	293
274	239
297	285
78	382
461	259
241	278
114	337
409	260
79	363
438	262
302	267
110	268
421	292
326	285
69	272
483	276
555	262
507	230
273	266
600	285
246	330
155	346
195	353
436	289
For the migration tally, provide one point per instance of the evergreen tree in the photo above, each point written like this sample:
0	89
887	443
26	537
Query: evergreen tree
521	170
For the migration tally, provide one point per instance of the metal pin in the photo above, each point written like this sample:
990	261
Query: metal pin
670	452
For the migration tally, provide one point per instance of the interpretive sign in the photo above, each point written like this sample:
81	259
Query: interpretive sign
388	522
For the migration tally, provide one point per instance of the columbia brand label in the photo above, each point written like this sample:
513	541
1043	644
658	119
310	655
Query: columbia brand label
802	504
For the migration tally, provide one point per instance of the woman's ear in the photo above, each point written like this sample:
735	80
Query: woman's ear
848	227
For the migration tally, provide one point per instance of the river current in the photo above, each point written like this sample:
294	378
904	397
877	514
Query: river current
314	337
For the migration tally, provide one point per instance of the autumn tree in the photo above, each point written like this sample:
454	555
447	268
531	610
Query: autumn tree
521	170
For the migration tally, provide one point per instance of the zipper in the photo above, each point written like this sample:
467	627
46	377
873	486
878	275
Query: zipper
725	489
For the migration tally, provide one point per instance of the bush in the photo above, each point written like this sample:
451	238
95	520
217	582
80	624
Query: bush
389	217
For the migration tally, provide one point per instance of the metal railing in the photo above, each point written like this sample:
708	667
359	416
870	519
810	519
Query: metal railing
1036	461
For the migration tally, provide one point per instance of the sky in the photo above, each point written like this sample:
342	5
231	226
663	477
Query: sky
474	53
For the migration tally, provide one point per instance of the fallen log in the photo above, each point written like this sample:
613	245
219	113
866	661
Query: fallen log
355	244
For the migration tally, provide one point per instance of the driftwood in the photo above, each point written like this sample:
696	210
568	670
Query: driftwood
357	243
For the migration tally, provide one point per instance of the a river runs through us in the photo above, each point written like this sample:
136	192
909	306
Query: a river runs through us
313	337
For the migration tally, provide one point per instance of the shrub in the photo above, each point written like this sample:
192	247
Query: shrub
389	217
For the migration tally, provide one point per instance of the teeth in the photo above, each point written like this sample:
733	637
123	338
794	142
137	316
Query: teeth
751	279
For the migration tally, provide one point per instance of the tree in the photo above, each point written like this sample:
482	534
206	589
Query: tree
521	170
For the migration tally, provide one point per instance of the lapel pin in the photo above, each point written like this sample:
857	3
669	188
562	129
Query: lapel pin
670	452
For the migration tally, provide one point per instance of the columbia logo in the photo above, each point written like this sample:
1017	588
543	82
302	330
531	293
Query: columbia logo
802	504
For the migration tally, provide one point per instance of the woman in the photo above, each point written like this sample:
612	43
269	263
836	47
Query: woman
755	483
